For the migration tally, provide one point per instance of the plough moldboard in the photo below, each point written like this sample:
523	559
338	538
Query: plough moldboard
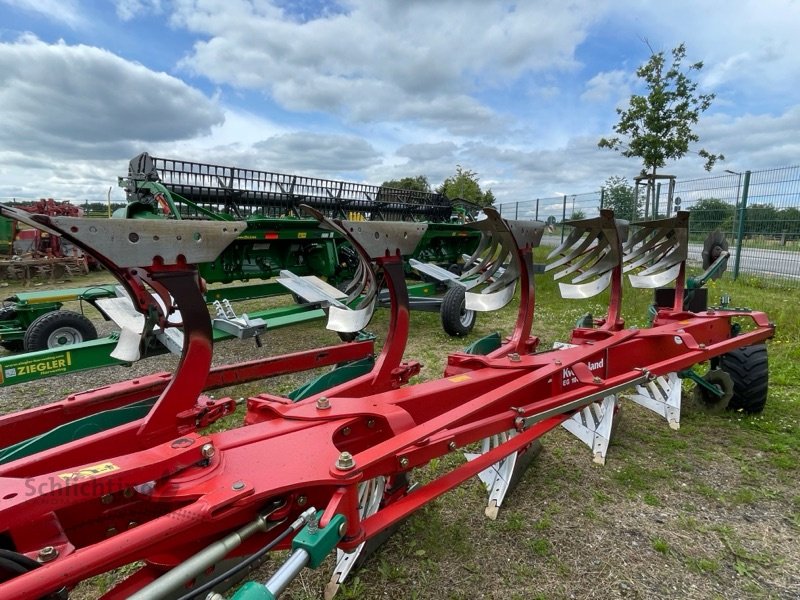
334	470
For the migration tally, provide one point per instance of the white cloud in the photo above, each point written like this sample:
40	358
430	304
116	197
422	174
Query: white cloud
130	9
607	85
411	61
79	101
61	11
304	151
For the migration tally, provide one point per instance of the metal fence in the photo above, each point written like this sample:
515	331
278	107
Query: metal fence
758	211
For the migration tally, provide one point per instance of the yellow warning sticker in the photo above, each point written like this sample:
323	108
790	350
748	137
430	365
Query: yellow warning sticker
301	234
459	378
93	471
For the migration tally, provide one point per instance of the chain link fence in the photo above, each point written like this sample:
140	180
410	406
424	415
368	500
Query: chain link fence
758	211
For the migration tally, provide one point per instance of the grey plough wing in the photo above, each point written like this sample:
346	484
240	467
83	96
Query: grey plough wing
658	248
590	252
371	240
496	262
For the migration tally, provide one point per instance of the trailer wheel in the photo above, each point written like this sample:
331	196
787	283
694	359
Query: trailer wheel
749	370
456	319
58	328
9	313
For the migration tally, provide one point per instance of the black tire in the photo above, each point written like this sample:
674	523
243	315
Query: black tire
455	269
58	328
749	369
9	313
347	336
457	321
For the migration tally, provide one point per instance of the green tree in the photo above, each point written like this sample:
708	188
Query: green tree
577	215
709	214
790	220
658	127
762	219
417	184
464	185
619	196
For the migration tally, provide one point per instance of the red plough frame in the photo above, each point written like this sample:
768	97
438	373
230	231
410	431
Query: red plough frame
158	491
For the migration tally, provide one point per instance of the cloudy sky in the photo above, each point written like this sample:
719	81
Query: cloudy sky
369	90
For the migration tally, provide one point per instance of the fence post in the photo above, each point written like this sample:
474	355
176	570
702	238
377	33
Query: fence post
516	210
537	210
742	217
563	217
657	201
602	197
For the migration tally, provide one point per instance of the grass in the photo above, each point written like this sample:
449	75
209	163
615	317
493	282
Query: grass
711	510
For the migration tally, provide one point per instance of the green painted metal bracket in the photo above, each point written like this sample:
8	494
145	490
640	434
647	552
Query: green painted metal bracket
77	429
339	374
320	541
253	590
700	380
485	345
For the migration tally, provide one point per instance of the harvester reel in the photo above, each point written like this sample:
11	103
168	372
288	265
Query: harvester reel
713	246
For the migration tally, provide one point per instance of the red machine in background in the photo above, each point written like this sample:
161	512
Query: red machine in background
35	243
334	470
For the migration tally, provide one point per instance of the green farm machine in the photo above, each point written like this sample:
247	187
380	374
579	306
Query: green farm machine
278	244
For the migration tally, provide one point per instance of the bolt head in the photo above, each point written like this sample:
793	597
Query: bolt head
302	500
558	363
345	462
208	450
323	403
452	446
106	499
403	462
346	431
370	423
596	379
514	357
238	485
47	554
343	528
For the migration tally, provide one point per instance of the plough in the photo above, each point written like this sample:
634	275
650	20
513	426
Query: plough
333	471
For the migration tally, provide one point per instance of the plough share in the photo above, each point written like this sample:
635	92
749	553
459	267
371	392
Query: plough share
333	470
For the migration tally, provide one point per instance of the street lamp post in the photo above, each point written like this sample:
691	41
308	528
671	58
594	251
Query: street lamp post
738	189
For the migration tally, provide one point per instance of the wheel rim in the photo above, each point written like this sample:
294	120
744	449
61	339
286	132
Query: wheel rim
64	336
466	316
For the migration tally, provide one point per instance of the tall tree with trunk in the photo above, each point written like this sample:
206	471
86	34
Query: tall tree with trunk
657	127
